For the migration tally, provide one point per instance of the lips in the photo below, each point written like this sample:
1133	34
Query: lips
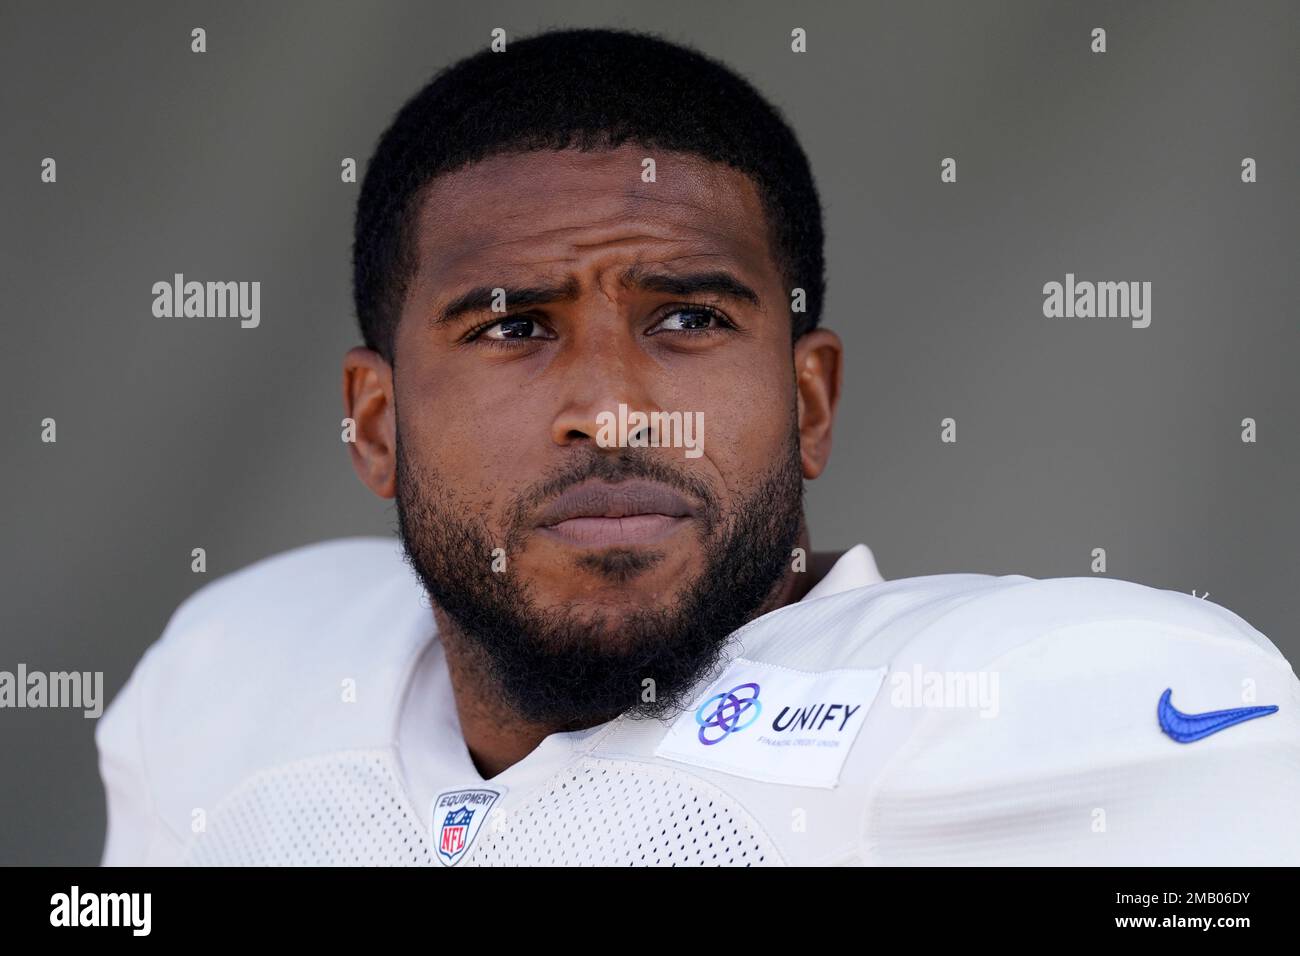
598	514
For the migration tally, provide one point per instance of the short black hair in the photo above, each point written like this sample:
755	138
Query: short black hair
587	89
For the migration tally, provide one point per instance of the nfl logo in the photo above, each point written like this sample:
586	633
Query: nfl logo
455	833
457	817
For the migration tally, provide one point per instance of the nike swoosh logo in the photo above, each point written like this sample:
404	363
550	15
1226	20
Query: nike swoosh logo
1186	728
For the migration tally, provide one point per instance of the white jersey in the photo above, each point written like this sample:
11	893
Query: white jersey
300	712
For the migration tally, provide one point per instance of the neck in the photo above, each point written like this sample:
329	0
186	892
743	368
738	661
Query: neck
497	737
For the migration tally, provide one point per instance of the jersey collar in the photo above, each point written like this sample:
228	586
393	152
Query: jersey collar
856	568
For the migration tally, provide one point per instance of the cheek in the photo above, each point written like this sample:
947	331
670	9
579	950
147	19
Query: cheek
472	440
747	421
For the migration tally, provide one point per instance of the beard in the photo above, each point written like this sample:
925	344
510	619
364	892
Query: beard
567	669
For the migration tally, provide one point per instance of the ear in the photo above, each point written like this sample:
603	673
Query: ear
818	362
368	401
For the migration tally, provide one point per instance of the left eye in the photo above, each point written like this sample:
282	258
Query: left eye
693	319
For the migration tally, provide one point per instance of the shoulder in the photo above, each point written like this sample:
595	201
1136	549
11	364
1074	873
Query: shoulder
313	574
967	620
301	653
270	633
1026	722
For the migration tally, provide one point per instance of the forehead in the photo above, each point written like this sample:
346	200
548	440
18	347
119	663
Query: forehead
557	211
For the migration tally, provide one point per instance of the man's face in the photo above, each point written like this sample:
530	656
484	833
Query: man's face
516	510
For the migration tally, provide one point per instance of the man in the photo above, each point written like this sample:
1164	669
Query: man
589	278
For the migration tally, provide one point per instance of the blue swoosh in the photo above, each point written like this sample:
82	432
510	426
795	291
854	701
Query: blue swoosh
1186	728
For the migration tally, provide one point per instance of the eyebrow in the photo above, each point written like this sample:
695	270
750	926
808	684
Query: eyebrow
716	282
481	299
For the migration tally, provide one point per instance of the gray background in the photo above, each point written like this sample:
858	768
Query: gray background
1073	434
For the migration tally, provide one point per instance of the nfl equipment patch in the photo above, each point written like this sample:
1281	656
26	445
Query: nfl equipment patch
457	817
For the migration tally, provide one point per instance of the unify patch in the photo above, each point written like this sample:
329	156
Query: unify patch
775	724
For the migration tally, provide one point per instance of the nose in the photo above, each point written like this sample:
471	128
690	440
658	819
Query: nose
598	378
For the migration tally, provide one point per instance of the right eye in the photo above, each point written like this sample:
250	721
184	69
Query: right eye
511	328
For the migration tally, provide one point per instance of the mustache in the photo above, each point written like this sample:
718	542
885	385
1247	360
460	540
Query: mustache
632	463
